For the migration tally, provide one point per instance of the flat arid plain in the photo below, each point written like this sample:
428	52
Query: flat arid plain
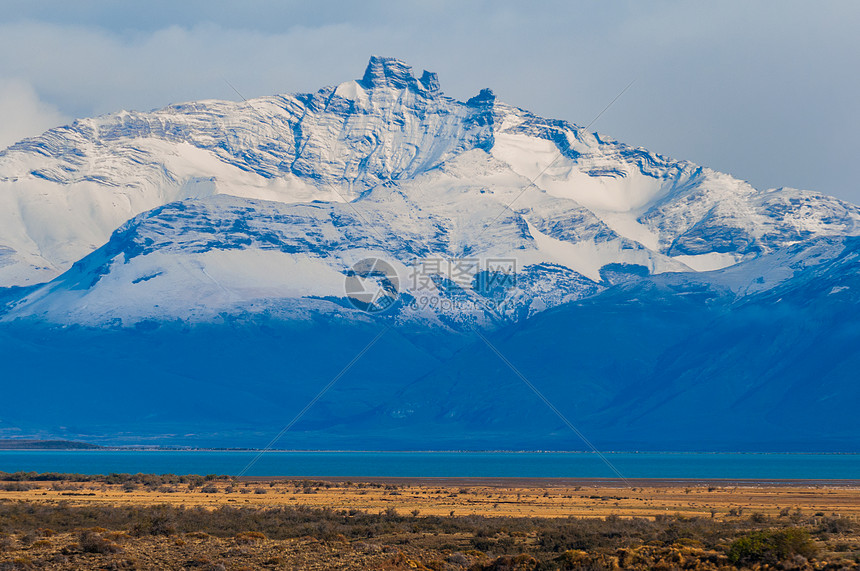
499	497
173	522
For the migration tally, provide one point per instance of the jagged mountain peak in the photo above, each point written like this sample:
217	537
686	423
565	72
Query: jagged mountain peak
484	98
392	72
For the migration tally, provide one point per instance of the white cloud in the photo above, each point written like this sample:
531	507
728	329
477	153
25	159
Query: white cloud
22	113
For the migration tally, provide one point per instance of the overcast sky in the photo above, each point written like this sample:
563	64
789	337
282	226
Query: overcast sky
768	91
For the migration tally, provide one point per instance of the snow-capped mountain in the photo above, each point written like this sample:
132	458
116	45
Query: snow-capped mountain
425	176
141	241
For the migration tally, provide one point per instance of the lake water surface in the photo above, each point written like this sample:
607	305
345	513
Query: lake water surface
440	464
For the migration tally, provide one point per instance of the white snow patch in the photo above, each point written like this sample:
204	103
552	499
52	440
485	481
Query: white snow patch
206	174
625	224
560	176
163	285
618	202
254	273
588	257
708	262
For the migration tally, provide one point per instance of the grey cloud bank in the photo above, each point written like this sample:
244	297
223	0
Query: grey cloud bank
767	92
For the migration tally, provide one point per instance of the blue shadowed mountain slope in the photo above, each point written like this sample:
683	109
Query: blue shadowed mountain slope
633	368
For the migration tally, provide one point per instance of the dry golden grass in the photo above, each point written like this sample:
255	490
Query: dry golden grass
489	498
140	523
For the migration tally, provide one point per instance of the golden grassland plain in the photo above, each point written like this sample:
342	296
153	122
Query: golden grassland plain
486	497
216	523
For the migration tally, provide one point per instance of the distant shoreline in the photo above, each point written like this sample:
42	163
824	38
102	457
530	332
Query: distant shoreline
47	445
563	482
506	482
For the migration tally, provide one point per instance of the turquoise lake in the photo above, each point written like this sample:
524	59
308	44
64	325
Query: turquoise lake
441	464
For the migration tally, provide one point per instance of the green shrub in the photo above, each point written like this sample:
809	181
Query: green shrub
772	546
